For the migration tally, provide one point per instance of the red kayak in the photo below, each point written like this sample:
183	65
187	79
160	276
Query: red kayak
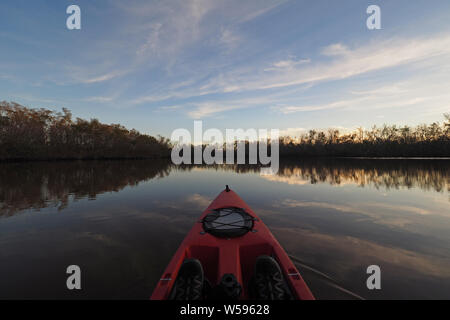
228	239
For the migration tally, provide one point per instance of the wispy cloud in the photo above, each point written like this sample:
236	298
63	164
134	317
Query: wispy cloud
289	63
229	39
206	109
206	58
170	108
261	12
336	49
212	107
396	95
292	132
345	63
152	41
333	105
34	98
101	99
101	78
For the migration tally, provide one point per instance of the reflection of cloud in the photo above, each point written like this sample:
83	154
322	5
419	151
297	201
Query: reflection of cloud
397	207
291	203
289	180
199	200
380	213
195	202
360	207
345	254
103	238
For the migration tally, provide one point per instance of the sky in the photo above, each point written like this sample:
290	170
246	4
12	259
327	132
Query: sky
292	65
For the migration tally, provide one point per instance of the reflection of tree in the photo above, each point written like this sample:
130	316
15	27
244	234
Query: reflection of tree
35	185
395	173
380	173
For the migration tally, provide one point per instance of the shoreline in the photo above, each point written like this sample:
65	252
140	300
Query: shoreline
289	158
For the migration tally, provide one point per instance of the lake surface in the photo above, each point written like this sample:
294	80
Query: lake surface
121	221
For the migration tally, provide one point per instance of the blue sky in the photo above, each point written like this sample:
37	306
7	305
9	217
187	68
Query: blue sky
158	65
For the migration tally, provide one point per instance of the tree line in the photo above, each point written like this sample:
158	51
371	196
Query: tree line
38	134
425	140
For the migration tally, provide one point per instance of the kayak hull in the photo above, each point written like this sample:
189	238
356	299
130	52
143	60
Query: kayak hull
237	256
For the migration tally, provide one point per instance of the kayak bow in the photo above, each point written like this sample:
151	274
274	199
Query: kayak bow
228	239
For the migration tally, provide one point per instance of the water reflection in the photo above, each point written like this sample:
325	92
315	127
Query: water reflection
37	185
334	216
392	173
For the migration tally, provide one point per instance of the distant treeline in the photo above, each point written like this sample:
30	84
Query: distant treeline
35	134
431	140
38	134
425	140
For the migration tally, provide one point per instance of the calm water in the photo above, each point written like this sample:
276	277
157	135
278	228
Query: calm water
121	221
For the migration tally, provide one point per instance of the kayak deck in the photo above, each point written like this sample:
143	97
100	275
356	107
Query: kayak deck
237	255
